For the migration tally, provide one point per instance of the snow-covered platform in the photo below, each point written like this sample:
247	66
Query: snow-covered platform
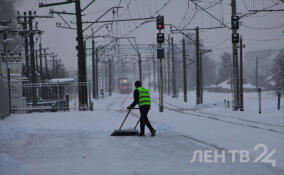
80	143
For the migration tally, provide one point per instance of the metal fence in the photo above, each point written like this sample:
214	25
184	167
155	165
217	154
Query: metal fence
50	96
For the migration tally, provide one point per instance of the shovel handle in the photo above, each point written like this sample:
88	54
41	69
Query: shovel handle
136	124
137	121
124	119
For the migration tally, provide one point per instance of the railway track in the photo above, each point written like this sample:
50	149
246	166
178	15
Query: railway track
229	119
122	109
117	100
121	100
225	116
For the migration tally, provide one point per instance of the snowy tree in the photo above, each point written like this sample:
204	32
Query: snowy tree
278	69
226	67
209	70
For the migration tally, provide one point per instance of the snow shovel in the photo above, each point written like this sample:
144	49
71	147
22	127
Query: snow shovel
126	132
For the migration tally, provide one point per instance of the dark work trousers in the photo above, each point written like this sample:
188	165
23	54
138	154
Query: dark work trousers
144	119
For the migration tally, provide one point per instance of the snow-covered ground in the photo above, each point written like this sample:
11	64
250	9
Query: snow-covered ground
79	142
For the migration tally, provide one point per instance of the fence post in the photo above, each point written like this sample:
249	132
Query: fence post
9	91
279	97
90	99
58	103
259	100
67	102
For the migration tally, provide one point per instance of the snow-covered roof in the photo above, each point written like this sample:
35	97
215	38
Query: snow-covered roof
2	28
224	85
61	80
9	40
248	86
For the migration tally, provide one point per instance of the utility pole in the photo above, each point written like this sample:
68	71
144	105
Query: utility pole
33	71
161	57
164	75
58	66
46	67
112	75
106	76
161	94
83	100
97	74
201	75
256	73
109	78
93	66
53	66
198	95
259	100
83	97
26	40
36	61
279	98
40	59
169	65
29	19
140	67
241	76
199	52
173	69
235	57
154	70
184	72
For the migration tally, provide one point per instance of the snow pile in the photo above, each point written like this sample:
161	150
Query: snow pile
18	126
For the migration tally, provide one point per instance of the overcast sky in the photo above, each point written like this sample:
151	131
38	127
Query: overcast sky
260	31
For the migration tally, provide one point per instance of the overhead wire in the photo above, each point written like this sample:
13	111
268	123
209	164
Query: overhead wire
147	21
265	40
183	18
190	20
221	42
263	28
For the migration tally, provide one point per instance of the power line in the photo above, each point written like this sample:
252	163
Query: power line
265	40
147	21
263	28
217	19
221	41
183	18
190	20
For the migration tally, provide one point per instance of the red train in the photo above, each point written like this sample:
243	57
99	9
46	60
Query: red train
125	86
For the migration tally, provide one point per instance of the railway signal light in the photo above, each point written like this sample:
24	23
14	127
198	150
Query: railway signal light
235	22
160	38
235	38
160	22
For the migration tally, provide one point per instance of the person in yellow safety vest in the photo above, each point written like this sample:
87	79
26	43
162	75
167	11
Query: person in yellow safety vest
142	98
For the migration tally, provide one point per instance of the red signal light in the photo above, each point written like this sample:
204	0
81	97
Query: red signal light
160	22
